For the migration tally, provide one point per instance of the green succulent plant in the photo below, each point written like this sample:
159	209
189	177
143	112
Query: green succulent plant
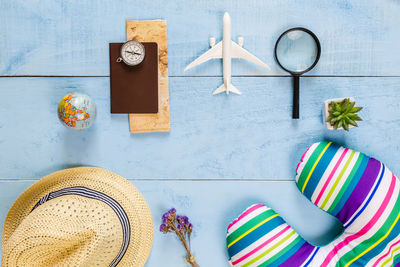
343	114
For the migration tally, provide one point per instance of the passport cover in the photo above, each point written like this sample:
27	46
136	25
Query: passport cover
134	89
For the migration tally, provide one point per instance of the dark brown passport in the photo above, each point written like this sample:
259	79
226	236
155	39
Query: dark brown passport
134	89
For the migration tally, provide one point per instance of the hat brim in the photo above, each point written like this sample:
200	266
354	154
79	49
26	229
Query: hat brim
107	182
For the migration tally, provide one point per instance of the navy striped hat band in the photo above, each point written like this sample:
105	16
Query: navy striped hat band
114	205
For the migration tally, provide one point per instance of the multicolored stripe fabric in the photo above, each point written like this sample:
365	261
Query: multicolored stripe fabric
358	190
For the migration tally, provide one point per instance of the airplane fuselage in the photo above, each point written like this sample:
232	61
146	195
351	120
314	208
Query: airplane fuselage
226	50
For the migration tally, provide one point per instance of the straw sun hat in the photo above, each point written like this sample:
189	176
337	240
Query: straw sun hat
78	217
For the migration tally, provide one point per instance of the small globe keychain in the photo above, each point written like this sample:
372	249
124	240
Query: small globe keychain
132	53
77	111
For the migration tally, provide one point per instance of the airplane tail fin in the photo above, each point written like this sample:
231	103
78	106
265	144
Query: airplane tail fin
231	88
220	89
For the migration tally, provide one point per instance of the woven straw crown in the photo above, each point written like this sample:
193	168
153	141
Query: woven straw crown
78	217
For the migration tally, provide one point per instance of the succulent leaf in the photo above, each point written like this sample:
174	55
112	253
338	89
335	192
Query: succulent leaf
356	109
335	126
340	123
345	125
351	122
342	114
334	119
338	107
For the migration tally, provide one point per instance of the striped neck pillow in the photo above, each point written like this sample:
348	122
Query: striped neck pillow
358	190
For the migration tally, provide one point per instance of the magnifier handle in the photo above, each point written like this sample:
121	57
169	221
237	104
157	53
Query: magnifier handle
296	96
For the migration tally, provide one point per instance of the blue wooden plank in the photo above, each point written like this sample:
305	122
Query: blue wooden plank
71	37
212	214
248	136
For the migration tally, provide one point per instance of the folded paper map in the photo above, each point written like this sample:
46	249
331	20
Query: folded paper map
152	31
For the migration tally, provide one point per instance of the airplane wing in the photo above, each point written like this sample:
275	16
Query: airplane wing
239	52
214	52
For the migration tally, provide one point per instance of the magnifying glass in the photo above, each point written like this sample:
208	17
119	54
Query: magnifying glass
297	51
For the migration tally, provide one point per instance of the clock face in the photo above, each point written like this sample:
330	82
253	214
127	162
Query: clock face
132	53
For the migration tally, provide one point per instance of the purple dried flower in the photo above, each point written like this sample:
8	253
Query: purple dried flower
164	228
183	220
171	211
179	219
180	227
169	216
172	214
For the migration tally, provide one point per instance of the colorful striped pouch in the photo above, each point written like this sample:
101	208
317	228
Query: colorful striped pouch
358	190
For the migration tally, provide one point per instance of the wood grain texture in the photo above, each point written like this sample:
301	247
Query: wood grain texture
212	214
213	137
241	137
69	37
152	31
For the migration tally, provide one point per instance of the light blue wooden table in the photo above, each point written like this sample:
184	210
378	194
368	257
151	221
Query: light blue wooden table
223	152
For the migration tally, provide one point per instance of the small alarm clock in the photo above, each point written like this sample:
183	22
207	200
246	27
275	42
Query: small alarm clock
132	53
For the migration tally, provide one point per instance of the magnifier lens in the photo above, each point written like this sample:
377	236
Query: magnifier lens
297	51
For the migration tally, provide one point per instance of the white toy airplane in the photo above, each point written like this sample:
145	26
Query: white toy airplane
226	49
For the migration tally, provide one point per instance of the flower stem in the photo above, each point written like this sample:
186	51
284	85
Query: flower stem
190	259
189	242
182	238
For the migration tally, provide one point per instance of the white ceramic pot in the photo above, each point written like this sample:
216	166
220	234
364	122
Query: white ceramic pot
325	112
